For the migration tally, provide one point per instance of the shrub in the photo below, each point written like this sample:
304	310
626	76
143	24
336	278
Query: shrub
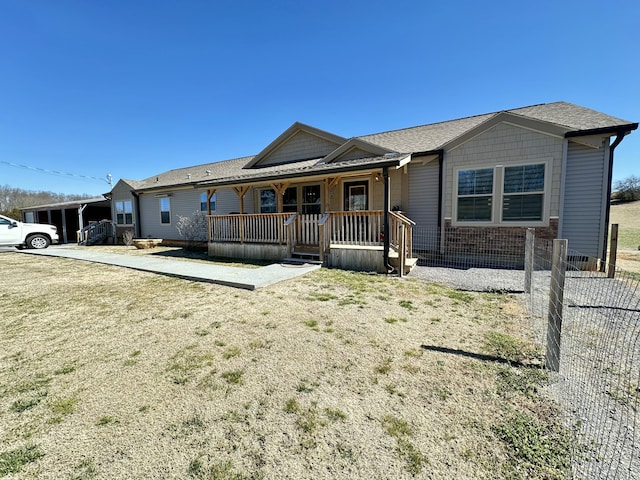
193	229
127	237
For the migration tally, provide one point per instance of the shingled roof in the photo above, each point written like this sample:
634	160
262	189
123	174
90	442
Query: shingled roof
568	118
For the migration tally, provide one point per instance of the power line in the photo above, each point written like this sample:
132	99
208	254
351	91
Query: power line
107	179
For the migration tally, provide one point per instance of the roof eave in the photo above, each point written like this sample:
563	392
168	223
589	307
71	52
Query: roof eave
331	170
627	128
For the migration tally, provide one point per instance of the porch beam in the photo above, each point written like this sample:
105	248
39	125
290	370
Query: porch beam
241	191
280	188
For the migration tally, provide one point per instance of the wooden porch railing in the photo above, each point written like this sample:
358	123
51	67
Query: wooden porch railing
95	232
360	228
400	238
306	232
363	228
249	228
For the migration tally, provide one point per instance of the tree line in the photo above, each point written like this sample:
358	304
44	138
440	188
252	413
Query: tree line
627	190
13	199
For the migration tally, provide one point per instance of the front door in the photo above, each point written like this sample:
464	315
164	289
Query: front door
356	196
356	199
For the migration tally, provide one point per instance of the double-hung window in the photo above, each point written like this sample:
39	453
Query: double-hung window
203	202
523	197
501	195
165	210
475	195
124	212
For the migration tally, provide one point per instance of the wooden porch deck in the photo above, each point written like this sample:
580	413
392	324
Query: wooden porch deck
349	240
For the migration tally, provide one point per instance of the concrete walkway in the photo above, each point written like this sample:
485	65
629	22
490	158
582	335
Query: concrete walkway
247	278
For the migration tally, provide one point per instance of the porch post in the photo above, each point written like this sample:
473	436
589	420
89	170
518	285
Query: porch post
280	188
385	176
210	193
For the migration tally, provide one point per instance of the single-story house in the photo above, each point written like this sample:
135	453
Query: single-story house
357	202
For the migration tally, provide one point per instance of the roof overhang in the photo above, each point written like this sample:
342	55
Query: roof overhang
100	202
320	171
614	130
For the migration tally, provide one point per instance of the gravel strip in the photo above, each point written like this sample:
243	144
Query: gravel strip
473	279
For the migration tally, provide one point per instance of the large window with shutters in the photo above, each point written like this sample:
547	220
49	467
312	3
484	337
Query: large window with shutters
523	193
501	194
475	195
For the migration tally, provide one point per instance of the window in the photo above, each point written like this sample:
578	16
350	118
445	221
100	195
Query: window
311	199
523	197
203	202
165	210
290	200
268	201
475	195
501	194
124	212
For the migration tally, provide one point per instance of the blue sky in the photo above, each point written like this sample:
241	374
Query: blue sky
137	87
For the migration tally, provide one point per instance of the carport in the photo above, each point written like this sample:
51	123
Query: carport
71	216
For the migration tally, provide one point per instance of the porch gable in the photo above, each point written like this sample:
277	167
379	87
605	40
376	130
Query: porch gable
299	142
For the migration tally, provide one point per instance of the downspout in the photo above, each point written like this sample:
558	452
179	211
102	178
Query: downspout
620	134
385	231
440	178
138	228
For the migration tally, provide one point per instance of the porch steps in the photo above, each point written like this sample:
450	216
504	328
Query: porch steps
301	261
409	263
307	253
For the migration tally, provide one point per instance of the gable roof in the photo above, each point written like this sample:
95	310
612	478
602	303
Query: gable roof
572	119
366	149
379	149
326	142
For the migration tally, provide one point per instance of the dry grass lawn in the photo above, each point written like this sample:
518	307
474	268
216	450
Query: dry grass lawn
627	216
109	373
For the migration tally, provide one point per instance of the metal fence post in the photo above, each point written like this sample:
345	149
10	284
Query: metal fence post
613	251
556	298
528	259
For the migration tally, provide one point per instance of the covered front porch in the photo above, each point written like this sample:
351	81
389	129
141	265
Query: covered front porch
352	240
343	214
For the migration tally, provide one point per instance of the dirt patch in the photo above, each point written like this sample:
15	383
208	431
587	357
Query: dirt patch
323	377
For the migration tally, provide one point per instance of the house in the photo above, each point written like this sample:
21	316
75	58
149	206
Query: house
360	202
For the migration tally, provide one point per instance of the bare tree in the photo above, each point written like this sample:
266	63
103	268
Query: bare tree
13	199
628	189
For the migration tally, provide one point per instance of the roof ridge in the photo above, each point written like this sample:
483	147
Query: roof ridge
460	118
